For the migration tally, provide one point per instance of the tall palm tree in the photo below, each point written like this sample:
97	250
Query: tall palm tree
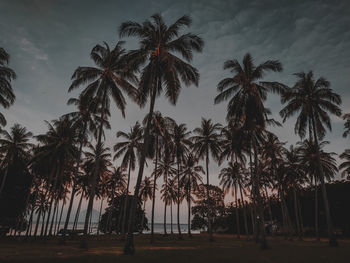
130	149
110	78
191	175
160	136
146	192
57	149
165	168
160	45
309	152
232	178
345	165
7	97
14	146
206	142
181	141
247	93
116	185
313	100
296	177
85	121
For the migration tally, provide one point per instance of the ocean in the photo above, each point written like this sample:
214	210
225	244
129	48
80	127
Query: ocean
158	228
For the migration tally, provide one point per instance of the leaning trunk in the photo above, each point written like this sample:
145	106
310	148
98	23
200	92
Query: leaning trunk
154	191
331	236
129	244
208	200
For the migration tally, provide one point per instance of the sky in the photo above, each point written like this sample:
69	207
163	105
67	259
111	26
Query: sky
48	39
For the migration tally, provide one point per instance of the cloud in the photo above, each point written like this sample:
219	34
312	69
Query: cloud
30	48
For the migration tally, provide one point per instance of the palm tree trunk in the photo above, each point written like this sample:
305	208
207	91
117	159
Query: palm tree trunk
75	177
143	216
268	203
165	202
99	217
178	198
263	242
171	218
126	201
53	220
300	216
29	228
237	215
3	180
59	221
37	223
297	214
244	214
109	219
129	244
252	217
43	224
94	177
76	218
189	208
286	214
332	239
253	204
208	204
154	190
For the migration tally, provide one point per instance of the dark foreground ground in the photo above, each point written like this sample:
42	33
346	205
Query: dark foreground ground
225	248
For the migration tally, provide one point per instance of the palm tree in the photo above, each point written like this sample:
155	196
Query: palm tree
181	148
191	175
233	178
130	148
309	152
247	94
313	100
346	117
165	168
146	192
7	97
57	149
162	146
14	146
345	165
84	120
116	185
159	46
296	177
206	142
110	77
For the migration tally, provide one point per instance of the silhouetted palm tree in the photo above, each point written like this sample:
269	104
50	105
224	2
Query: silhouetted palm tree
146	192
14	146
345	165
7	97
165	168
247	94
206	142
85	121
312	100
110	78
130	149
57	150
191	175
232	178
181	141
311	155
163	69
